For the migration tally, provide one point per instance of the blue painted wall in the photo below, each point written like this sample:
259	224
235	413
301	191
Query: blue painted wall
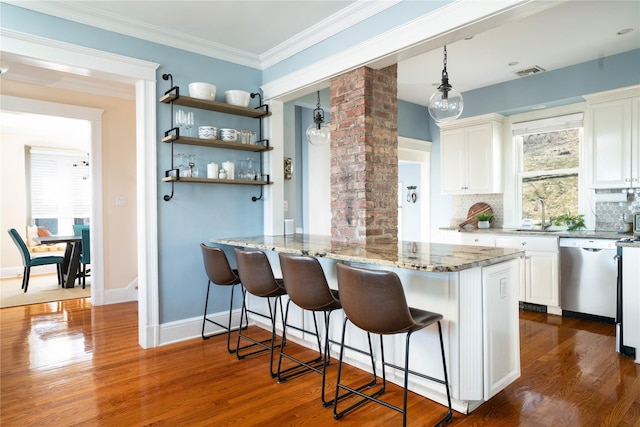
201	211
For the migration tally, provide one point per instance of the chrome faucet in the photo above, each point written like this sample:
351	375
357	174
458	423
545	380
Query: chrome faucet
540	205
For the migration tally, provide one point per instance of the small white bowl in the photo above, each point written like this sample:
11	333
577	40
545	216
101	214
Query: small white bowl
237	97
202	90
228	135
207	132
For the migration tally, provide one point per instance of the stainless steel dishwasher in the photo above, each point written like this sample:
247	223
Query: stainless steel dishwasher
588	278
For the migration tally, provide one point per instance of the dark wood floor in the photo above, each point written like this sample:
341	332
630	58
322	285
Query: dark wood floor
68	363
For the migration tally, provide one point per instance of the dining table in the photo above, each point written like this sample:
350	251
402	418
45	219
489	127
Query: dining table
71	263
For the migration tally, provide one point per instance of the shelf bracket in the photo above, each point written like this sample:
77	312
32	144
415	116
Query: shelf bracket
254	198
175	89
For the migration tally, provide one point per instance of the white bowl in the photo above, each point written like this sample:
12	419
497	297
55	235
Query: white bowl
237	97
228	135
202	90
207	132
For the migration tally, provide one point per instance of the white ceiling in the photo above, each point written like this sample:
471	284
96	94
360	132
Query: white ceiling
260	33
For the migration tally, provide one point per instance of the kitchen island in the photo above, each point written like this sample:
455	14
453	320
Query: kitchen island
475	288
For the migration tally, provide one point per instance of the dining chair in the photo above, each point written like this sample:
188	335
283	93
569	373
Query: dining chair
85	255
374	301
29	262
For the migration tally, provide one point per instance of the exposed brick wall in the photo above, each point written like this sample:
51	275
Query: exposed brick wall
364	155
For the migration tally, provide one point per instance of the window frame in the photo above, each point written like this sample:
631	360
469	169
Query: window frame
512	196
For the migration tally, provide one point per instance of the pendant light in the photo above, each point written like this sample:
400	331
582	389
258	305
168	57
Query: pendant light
319	133
445	104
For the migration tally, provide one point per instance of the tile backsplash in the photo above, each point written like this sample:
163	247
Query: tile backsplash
609	213
461	205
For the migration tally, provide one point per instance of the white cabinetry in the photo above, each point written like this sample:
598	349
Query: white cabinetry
631	293
613	133
541	275
478	239
471	155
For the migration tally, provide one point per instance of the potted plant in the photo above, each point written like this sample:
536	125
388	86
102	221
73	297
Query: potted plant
483	219
222	174
567	222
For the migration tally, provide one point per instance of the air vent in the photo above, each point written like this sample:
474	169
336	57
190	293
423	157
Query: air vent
530	71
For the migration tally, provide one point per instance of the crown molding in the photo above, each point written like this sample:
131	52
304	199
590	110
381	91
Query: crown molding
340	21
87	15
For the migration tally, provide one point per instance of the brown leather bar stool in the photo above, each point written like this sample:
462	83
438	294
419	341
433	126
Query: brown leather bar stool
374	301
307	287
220	273
257	278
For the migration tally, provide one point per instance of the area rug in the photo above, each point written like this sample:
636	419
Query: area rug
42	288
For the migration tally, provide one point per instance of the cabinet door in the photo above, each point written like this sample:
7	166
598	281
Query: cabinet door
480	155
500	329
453	164
542	278
610	132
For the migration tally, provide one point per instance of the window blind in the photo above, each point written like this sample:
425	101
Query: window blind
59	184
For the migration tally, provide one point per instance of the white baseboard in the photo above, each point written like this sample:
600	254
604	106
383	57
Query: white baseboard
115	296
186	329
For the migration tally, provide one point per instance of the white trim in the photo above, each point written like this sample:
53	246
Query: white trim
127	294
54	54
419	151
187	329
84	14
339	21
94	116
418	36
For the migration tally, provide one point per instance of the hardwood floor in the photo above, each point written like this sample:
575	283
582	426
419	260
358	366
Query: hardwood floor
68	363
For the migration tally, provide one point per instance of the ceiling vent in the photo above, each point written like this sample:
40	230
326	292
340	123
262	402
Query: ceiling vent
536	69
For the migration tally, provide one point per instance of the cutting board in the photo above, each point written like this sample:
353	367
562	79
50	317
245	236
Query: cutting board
475	210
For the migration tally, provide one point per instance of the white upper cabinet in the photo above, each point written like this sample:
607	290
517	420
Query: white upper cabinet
471	155
614	149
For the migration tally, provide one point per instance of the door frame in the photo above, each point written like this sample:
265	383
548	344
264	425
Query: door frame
54	54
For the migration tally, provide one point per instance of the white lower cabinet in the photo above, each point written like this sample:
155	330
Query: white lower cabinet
541	275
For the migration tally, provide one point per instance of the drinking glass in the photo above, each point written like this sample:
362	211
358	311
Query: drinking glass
189	122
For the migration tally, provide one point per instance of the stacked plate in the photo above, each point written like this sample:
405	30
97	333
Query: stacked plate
207	132
228	135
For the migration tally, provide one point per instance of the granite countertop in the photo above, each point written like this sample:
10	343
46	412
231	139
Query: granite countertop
581	234
629	243
423	256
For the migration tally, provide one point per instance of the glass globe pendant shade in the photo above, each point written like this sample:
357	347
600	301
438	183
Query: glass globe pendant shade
445	105
319	134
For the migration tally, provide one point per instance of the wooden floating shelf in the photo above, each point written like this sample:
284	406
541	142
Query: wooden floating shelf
216	181
221	107
215	143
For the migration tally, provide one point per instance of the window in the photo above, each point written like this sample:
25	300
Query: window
60	190
549	165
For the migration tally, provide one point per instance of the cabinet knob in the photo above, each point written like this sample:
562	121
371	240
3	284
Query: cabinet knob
627	180
524	243
476	240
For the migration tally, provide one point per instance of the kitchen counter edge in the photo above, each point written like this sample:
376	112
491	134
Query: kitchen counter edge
421	256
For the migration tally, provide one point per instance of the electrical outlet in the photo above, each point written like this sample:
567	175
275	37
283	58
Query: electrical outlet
285	206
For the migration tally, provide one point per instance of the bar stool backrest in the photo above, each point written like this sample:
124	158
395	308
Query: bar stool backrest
255	273
306	283
374	300
217	267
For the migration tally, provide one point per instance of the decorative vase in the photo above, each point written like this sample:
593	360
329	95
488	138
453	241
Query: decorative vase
222	175
483	224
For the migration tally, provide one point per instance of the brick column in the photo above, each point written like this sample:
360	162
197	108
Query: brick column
364	156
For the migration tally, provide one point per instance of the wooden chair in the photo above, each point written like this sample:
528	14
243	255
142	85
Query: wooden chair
33	262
